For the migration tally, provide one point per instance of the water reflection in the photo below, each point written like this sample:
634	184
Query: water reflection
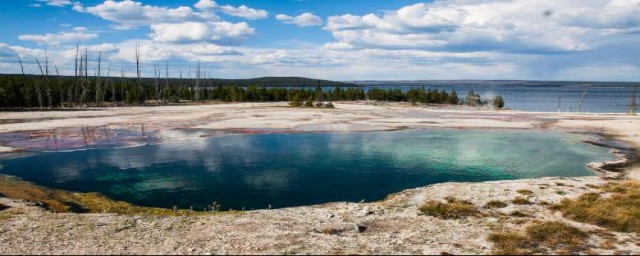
254	171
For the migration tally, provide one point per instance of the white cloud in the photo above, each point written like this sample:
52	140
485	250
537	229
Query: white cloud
223	33
58	3
58	38
129	14
244	12
507	26
303	20
206	5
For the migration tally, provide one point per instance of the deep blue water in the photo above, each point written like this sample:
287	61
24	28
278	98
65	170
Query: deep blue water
253	171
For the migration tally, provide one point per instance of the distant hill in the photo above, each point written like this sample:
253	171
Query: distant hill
280	82
209	82
490	82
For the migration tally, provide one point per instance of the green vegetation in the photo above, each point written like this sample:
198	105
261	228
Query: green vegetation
54	91
541	238
453	209
620	211
498	102
495	204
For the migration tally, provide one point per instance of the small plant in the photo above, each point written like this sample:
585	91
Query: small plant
309	103
525	192
453	209
561	192
519	214
541	238
619	211
495	204
521	201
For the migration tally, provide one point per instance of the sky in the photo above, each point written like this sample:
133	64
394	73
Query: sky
346	40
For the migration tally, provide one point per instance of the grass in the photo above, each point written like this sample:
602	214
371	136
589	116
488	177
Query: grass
65	201
541	238
519	214
619	211
521	201
495	204
525	192
452	209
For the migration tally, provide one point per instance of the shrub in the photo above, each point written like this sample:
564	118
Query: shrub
519	214
495	204
453	209
521	201
525	192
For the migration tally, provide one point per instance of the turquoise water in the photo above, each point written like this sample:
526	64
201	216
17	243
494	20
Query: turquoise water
282	170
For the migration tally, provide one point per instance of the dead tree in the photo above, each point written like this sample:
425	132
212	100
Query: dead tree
38	90
99	80
138	75
633	104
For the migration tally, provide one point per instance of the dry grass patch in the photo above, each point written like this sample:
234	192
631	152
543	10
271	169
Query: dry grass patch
65	201
620	211
495	204
541	238
521	201
525	192
452	209
519	214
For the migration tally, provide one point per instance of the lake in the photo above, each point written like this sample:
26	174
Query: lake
283	170
597	99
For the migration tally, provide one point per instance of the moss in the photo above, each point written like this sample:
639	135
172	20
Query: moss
65	201
495	204
541	238
453	209
620	211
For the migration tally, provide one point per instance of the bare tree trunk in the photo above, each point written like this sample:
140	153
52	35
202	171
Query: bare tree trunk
166	83
632	102
98	80
46	80
60	85
138	72
156	75
38	91
198	82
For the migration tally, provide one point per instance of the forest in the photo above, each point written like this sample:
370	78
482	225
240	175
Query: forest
60	92
50	90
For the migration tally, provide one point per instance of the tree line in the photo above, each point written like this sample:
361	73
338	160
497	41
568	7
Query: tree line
50	90
55	92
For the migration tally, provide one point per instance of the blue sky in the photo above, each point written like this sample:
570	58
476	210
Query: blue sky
331	39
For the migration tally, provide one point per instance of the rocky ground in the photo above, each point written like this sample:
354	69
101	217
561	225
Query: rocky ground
392	226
